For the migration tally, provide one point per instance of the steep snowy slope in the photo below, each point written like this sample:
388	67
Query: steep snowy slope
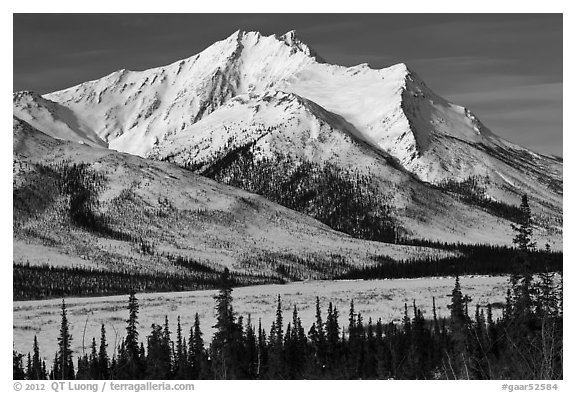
432	138
273	122
277	93
53	119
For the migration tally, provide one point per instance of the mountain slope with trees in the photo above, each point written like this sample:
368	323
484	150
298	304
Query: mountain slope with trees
91	212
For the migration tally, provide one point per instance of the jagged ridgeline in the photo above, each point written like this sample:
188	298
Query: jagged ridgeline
346	200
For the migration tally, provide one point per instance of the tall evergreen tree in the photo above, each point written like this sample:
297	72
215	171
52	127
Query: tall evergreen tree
37	371
158	364
332	338
521	281
103	360
277	333
132	327
458	327
130	364
64	354
251	350
180	360
262	367
196	352
93	369
524	227
317	337
223	346
167	343
276	348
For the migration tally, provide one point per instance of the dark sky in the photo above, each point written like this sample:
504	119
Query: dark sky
506	68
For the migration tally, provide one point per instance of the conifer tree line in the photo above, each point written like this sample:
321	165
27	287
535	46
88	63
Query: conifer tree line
472	259
44	281
524	343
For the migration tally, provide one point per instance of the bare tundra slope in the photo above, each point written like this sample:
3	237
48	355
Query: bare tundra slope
155	208
442	171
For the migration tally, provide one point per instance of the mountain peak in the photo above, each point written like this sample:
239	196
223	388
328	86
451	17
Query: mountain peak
291	39
240	34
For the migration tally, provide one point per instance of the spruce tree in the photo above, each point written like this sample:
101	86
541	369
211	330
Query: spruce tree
262	367
64	354
251	349
180	360
295	347
132	327
318	338
37	372
521	281
223	357
351	323
332	339
93	361
353	343
130	364
276	350
278	332
103	360
167	343
370	352
458	323
524	227
158	355
196	350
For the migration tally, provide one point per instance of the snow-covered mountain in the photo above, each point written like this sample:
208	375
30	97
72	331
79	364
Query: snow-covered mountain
277	94
54	119
177	211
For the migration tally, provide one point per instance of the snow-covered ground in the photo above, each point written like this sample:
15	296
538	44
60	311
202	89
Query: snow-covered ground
373	299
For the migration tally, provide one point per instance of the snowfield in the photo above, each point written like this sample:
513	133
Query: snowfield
372	298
